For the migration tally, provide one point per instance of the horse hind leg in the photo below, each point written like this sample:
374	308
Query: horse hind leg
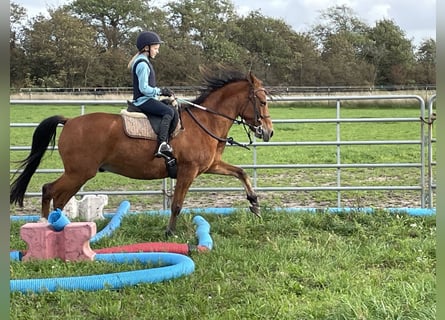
60	192
182	186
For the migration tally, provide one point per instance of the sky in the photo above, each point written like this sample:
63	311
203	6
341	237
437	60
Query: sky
417	18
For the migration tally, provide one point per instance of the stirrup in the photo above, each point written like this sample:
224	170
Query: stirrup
164	151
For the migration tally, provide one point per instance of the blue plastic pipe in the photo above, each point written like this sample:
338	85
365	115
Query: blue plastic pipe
409	211
225	211
203	232
58	220
174	266
114	223
15	255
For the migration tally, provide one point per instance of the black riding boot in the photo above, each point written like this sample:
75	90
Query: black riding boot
164	149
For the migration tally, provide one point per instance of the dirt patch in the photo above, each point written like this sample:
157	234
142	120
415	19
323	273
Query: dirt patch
296	199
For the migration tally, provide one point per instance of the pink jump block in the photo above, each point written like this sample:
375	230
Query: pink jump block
70	244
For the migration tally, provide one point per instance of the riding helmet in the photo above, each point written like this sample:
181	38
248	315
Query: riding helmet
147	38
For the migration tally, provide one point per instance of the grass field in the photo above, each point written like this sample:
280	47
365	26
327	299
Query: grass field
284	266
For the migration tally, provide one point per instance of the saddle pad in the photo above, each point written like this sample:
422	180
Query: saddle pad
137	125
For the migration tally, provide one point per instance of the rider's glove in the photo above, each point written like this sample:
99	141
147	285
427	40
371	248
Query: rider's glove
166	92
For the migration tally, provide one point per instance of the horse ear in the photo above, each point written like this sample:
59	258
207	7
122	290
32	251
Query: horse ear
253	80
251	77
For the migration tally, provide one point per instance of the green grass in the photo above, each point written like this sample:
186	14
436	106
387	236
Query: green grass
285	266
281	155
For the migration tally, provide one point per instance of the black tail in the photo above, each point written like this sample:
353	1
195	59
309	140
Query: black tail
44	134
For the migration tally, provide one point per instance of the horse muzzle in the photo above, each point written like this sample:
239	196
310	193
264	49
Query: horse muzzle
262	133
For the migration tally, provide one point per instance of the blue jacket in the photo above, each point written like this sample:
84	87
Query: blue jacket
144	81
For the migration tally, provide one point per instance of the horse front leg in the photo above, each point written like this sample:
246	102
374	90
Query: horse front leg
223	168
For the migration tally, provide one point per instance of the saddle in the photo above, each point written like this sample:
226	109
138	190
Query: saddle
138	125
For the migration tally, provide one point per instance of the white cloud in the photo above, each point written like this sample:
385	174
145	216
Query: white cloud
378	12
279	3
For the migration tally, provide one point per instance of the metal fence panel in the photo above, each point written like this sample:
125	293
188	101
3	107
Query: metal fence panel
424	163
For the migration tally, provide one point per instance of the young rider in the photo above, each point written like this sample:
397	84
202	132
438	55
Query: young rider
145	92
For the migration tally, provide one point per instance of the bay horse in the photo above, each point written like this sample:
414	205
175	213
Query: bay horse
96	142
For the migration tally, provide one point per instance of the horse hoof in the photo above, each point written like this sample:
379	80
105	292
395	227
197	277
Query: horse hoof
255	210
169	234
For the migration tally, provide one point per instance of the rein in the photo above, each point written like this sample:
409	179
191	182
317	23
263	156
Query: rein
229	140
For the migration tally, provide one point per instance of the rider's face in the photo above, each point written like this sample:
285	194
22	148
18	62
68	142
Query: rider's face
154	50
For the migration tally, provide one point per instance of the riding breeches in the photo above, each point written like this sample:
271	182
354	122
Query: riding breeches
157	108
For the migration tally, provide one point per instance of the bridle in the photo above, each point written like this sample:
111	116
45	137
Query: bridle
253	99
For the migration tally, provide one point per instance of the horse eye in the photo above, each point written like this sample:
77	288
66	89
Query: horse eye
263	103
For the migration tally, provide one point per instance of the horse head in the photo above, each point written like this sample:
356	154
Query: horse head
230	94
256	111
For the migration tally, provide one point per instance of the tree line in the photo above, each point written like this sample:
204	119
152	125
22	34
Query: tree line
88	43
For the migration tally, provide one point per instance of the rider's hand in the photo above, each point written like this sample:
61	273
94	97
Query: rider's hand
166	92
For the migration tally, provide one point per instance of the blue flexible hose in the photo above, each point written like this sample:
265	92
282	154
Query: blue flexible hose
175	265
114	223
203	232
227	211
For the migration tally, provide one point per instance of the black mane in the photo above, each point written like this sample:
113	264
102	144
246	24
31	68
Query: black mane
215	79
